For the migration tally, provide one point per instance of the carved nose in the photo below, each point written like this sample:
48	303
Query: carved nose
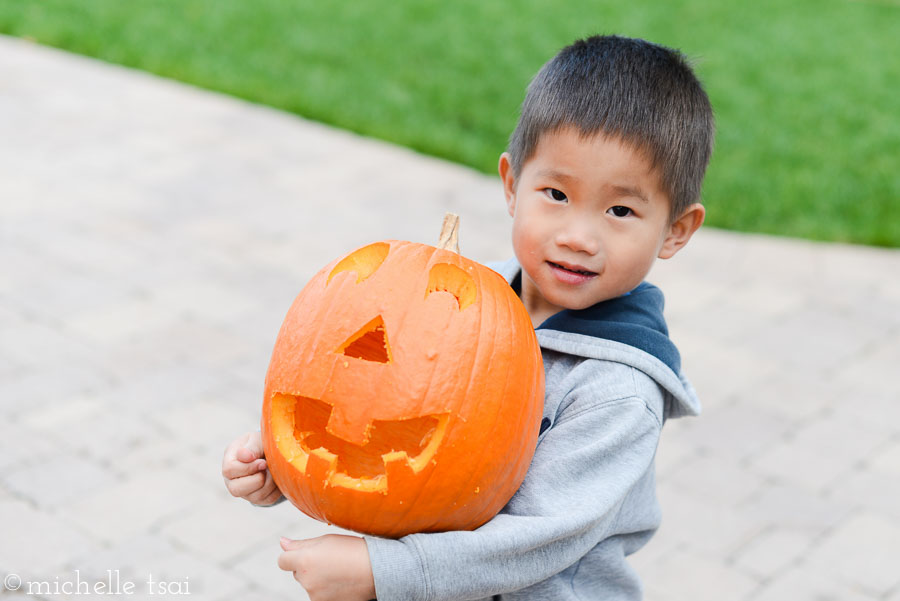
370	343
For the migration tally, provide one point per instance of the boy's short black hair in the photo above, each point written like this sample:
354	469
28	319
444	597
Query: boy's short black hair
643	93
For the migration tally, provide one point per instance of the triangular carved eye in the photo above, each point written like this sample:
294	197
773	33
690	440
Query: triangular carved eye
369	343
364	261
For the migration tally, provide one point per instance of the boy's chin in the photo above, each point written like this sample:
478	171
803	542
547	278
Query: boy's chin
577	304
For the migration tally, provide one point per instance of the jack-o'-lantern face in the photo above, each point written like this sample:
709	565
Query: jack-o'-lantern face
404	382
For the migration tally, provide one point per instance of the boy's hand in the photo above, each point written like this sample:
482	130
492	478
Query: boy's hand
334	567
245	473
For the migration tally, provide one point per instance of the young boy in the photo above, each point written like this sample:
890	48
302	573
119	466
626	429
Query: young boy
602	176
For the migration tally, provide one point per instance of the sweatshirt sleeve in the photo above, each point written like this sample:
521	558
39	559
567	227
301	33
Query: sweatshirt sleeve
583	469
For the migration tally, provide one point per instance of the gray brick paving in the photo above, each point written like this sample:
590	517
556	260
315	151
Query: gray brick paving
153	235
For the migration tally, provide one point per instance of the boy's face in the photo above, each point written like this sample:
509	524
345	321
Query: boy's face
589	219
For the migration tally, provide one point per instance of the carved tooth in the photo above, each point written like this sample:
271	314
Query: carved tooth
321	465
398	469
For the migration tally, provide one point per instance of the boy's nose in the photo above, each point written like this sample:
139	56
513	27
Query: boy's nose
579	237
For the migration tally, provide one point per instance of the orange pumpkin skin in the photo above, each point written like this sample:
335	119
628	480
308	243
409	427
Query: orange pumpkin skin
404	393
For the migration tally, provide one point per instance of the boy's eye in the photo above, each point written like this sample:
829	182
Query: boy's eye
555	194
620	211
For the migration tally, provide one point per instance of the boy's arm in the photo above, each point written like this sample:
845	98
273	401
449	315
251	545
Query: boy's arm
583	469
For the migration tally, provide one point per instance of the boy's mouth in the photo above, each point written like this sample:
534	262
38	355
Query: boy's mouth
572	269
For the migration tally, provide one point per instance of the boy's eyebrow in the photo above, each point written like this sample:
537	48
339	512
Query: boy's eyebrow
630	191
557	175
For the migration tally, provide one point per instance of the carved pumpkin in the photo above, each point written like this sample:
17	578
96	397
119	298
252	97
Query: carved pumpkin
404	393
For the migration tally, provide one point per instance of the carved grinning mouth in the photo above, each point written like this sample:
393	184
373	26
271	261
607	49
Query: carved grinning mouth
299	425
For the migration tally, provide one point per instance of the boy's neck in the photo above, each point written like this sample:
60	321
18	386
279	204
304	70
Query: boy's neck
539	309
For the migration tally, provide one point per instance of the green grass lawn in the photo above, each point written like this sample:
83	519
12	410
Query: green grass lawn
805	92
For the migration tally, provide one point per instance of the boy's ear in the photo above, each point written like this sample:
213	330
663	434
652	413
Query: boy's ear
509	183
682	229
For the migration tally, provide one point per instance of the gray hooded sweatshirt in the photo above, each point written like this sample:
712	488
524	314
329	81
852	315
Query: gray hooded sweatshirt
589	498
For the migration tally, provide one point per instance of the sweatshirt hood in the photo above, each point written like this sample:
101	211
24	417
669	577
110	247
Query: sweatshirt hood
629	329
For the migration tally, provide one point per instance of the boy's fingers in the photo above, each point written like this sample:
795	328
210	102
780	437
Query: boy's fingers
233	450
243	487
239	469
289	561
244	454
272	498
254	443
293	557
265	490
268	500
272	492
288	544
251	442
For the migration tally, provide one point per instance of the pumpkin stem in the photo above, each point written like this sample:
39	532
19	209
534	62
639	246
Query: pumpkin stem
449	239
